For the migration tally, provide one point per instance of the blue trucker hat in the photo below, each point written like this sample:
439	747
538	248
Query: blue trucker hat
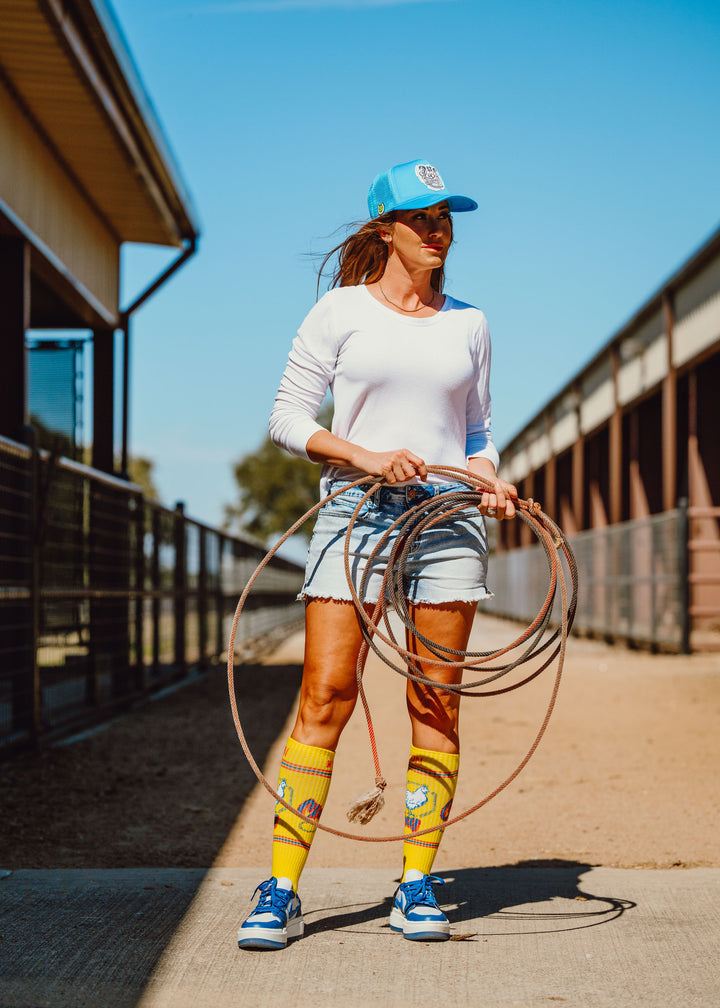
412	186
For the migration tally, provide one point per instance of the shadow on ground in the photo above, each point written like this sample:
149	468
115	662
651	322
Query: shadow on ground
78	939
509	899
159	787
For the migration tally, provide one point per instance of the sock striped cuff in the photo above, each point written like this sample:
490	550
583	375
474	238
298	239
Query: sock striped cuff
441	766
306	759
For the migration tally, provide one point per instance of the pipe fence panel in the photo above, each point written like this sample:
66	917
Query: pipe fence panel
105	596
633	581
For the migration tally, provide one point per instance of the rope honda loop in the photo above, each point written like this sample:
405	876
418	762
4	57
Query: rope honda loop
539	641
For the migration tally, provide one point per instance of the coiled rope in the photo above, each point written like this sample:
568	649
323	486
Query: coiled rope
376	626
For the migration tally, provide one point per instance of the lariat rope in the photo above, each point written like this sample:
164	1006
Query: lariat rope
411	524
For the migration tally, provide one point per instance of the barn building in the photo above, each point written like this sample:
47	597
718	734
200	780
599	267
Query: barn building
105	595
84	169
625	457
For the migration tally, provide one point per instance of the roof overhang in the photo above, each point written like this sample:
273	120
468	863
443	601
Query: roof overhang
70	69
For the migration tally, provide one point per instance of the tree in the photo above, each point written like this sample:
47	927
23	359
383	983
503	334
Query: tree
140	471
275	490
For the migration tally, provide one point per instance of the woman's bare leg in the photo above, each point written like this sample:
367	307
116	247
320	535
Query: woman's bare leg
434	713
327	698
433	764
329	688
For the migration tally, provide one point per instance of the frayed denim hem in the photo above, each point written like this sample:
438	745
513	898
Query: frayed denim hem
305	596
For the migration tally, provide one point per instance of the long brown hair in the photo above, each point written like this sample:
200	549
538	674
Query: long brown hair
362	256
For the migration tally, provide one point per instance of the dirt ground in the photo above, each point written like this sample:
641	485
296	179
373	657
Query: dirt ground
625	776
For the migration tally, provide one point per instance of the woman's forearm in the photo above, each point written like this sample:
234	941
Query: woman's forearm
328	448
395	466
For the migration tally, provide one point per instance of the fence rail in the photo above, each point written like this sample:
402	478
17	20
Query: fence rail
633	581
106	596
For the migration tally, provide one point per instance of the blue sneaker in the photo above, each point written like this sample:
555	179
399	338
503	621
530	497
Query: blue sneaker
416	912
276	918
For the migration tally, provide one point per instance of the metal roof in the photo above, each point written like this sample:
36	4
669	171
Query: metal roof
70	70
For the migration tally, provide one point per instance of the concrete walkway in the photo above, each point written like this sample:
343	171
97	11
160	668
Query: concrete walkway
527	932
599	937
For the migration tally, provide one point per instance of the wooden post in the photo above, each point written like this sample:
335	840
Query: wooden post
669	412
155	585
550	503
202	599
615	459
180	585
14	323
19	496
578	483
220	596
103	400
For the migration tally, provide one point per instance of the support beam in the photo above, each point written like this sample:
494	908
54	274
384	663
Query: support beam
578	473
615	459
669	413
550	504
14	323
527	537
103	400
125	399
639	507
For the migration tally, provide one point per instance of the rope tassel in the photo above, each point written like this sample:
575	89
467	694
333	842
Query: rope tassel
367	805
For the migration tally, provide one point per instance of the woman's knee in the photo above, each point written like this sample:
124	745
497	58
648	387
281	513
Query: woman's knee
324	703
435	720
323	713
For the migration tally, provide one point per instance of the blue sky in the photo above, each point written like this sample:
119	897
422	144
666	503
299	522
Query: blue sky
587	131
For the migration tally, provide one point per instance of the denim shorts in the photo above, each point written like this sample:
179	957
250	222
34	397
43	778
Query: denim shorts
446	563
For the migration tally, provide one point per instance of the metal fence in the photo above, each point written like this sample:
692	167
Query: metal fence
106	596
633	581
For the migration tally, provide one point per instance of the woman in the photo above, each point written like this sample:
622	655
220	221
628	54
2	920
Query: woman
408	368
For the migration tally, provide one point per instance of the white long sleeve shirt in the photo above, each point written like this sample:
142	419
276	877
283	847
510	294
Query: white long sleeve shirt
396	381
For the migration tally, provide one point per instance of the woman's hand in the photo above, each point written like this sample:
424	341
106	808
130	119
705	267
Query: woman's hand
396	466
498	501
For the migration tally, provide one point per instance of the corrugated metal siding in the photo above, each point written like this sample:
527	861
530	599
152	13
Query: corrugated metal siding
35	187
515	467
565	429
538	449
598	396
564	433
697	314
49	83
643	367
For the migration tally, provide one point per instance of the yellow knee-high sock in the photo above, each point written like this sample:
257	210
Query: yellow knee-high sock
305	773
431	783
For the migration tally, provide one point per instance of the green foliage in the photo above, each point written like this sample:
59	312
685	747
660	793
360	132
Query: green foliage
275	489
140	471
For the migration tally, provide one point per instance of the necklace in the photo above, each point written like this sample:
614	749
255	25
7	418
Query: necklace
400	307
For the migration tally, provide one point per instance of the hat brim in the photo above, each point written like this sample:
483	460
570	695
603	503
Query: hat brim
458	204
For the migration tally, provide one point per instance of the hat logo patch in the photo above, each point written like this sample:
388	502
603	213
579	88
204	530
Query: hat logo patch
429	177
